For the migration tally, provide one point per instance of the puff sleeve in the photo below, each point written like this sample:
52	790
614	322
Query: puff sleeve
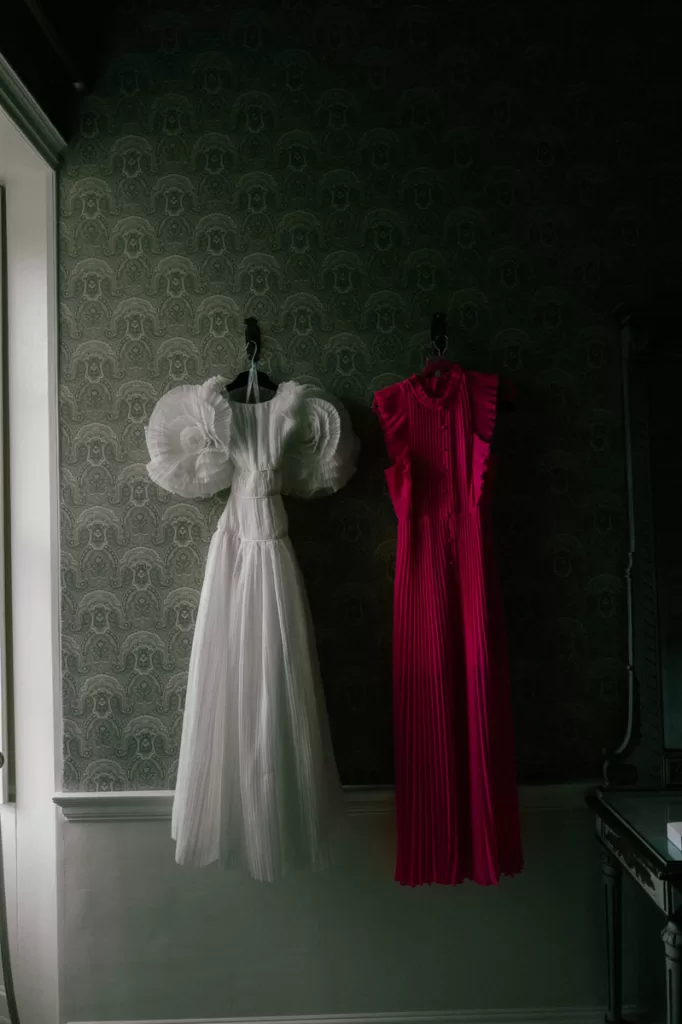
188	438
321	449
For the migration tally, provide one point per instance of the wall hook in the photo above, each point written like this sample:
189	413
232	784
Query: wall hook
439	332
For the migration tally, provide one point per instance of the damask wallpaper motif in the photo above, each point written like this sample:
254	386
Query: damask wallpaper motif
341	171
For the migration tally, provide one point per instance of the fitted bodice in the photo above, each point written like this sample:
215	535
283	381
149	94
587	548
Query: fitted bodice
438	457
262	519
255	510
256	483
438	435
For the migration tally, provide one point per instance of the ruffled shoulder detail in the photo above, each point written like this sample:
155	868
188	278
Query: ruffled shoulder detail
289	397
321	448
213	386
483	390
390	408
188	438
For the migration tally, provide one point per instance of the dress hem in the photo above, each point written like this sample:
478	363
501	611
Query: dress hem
511	873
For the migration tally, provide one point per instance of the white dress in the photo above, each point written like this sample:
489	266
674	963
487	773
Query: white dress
257	784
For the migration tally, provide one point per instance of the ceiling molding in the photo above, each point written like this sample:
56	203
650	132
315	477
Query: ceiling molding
30	119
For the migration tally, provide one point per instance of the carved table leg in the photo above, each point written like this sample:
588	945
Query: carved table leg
612	875
672	941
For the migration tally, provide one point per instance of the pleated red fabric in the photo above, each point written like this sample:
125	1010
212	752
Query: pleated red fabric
456	795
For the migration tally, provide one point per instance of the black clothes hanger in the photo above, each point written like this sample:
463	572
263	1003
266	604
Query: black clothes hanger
252	337
439	333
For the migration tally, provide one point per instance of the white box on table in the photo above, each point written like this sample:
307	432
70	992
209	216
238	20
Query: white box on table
675	833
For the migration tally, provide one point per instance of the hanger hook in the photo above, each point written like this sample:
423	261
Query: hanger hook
253	338
439	332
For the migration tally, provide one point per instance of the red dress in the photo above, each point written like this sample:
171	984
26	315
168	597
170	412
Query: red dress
456	797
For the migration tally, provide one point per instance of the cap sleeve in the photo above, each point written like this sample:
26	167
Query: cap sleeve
321	449
188	438
483	388
389	407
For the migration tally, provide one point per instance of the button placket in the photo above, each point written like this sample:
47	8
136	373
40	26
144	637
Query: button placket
447	486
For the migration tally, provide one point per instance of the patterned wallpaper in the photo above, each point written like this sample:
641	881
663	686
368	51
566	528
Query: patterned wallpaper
341	171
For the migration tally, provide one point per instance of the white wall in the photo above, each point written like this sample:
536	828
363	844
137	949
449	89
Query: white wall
146	939
29	828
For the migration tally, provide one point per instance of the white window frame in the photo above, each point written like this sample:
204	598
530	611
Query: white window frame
32	832
6	770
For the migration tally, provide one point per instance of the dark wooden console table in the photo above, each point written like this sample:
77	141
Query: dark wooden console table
631	827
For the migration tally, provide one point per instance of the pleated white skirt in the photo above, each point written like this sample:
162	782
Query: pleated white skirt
257	784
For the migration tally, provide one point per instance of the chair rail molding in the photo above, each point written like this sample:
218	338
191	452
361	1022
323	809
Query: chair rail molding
531	1015
151	805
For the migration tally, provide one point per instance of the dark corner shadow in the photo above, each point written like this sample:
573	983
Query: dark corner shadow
524	520
58	49
345	545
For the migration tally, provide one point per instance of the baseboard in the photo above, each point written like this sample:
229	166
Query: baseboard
150	805
531	1015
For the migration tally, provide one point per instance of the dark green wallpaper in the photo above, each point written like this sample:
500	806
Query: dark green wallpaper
341	171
